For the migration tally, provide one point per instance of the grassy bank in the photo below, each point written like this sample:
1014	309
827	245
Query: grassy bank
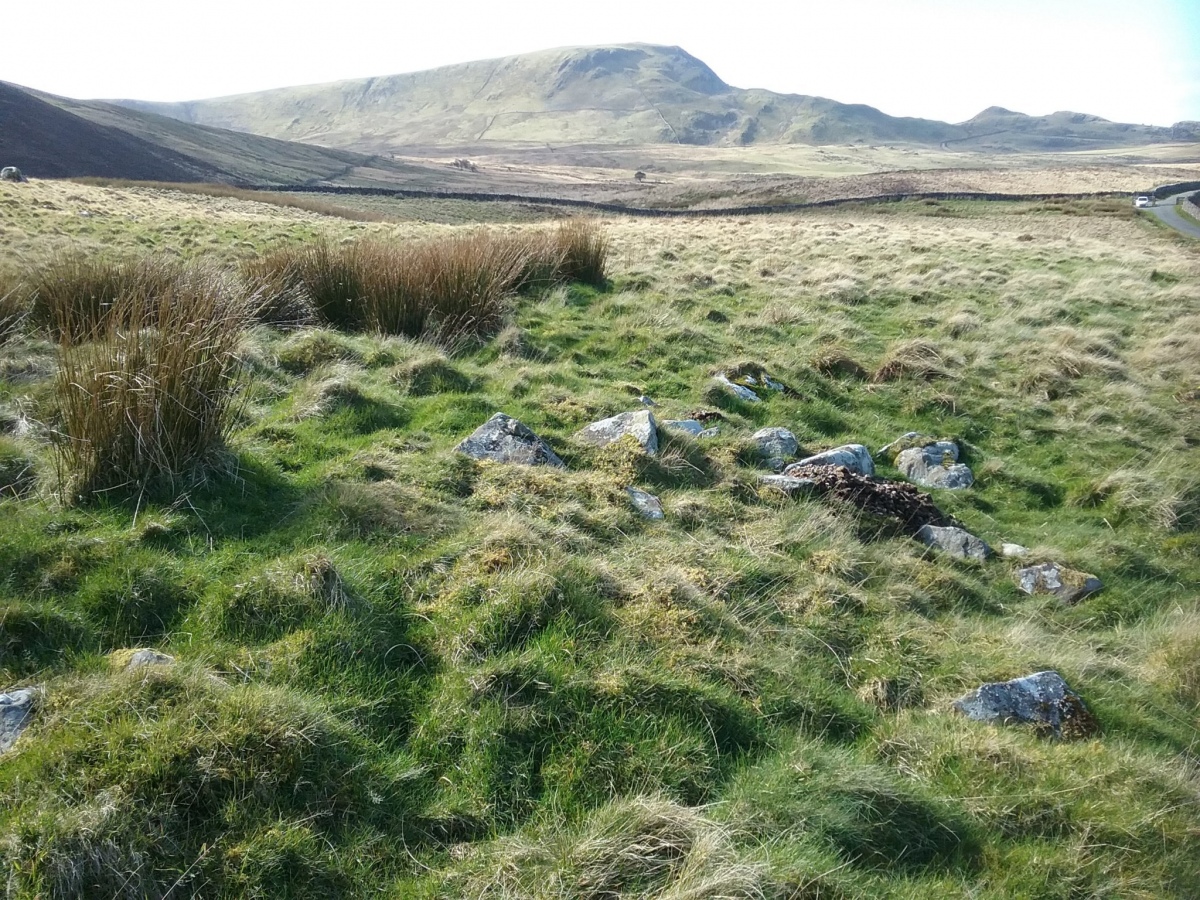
400	671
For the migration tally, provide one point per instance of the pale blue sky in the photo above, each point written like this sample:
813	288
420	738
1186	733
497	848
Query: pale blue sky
1127	60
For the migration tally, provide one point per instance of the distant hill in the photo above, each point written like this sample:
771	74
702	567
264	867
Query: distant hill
623	94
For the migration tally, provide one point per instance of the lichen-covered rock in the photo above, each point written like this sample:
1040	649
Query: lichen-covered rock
740	391
11	173
503	439
954	542
776	446
1068	585
16	712
647	504
687	426
139	658
1042	700
854	457
935	465
787	484
640	424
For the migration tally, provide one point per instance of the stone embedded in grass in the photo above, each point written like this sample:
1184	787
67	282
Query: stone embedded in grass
854	457
503	439
140	658
647	504
1068	585
739	391
639	424
954	542
687	426
793	487
1013	551
1043	700
776	446
935	465
16	711
906	441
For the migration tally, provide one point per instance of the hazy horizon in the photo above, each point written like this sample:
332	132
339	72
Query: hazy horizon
934	59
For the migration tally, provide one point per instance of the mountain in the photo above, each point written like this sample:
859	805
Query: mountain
621	94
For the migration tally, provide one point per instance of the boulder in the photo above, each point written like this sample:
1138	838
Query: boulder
1068	585
11	173
1043	700
687	426
793	487
739	391
954	541
854	457
503	439
639	424
776	446
647	504
16	712
935	465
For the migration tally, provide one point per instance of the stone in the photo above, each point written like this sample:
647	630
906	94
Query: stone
639	424
710	432
1068	585
854	457
131	660
646	401
687	426
1013	551
904	442
503	439
954	542
935	465
16	712
1043	700
647	504
789	485
739	391
776	446
11	173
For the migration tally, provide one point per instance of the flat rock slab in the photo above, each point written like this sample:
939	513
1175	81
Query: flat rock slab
640	424
789	485
503	439
1043	700
935	465
687	426
648	505
954	542
776	446
854	457
1068	585
16	712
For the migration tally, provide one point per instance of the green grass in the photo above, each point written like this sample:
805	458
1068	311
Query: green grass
406	673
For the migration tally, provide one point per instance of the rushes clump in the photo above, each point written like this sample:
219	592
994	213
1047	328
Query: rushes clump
147	397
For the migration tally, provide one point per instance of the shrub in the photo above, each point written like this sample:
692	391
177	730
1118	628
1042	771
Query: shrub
147	399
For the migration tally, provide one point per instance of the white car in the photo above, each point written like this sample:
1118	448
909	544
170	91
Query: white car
1141	201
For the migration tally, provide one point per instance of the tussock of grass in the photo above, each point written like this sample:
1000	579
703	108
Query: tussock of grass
147	397
917	359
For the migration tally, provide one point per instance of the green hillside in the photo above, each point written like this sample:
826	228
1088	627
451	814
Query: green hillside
621	94
268	630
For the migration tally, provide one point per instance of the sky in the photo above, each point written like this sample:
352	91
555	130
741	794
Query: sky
1126	60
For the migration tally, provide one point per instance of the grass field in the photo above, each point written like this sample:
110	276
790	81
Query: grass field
401	672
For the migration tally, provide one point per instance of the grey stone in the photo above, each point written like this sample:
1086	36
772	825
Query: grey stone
954	542
688	426
935	465
739	391
147	657
788	485
11	173
640	424
16	712
776	446
1043	700
854	457
646	401
1068	585
904	442
710	432
1013	551
647	504
503	439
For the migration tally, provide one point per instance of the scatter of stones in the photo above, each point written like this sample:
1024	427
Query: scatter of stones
844	474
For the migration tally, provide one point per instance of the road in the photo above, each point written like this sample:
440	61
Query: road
1168	213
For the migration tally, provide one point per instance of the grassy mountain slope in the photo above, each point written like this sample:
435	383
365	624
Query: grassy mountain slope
402	673
628	94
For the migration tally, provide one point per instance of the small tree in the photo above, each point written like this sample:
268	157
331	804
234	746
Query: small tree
639	177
